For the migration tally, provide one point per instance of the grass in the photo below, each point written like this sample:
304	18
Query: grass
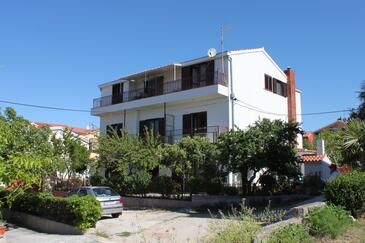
125	234
327	221
103	234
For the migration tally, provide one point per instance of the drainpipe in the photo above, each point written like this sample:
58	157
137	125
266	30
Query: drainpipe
232	97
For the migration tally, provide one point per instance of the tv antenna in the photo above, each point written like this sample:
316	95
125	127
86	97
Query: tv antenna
223	29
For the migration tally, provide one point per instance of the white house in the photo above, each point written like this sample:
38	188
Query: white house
315	162
203	96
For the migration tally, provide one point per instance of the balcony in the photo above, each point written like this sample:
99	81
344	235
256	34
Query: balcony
166	88
210	132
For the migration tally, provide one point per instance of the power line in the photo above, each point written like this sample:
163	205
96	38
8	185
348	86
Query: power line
254	108
244	104
43	107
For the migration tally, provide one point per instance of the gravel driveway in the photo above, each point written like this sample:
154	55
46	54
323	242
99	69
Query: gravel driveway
132	226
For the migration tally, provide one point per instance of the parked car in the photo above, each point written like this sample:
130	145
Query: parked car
110	201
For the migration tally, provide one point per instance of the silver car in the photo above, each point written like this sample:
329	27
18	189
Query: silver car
110	201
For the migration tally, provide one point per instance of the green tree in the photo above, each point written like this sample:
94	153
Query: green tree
74	156
353	138
333	145
26	156
266	144
360	112
122	155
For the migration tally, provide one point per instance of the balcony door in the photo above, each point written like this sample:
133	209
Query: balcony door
198	75
117	93
195	123
156	125
154	86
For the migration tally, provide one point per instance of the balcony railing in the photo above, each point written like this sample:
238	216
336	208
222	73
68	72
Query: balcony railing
167	88
210	132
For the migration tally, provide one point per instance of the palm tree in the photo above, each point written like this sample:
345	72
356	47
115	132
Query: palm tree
360	112
354	141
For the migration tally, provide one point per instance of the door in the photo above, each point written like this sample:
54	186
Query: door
117	93
154	86
195	123
156	125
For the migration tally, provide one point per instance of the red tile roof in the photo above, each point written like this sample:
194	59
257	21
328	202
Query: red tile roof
74	129
311	158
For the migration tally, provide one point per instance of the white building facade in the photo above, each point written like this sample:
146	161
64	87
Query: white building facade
200	97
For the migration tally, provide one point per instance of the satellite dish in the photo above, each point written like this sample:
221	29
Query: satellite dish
212	52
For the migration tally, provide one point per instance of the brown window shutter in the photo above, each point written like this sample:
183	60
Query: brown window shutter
210	73
186	77
187	124
161	126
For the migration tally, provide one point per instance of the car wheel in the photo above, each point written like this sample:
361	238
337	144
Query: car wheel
115	215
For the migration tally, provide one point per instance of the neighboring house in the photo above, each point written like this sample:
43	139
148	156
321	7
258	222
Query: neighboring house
88	137
310	137
315	162
203	96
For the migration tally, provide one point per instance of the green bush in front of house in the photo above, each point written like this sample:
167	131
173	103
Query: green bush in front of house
291	233
330	220
81	212
347	191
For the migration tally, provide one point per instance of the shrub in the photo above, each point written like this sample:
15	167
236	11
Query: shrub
291	233
164	185
81	212
214	187
97	180
232	230
348	191
138	182
313	184
330	220
231	191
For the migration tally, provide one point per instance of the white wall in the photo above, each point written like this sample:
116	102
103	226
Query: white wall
248	74
217	114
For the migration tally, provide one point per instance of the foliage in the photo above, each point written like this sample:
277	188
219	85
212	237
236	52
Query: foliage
265	144
330	220
75	157
313	183
97	180
291	233
164	185
228	229
269	215
81	212
333	145
122	155
194	161
360	112
26	155
347	190
138	182
231	191
308	145
354	143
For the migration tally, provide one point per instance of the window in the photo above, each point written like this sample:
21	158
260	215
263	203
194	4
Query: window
82	192
157	126
268	83
276	86
104	192
195	123
114	127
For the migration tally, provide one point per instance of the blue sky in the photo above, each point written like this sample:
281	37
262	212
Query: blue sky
55	53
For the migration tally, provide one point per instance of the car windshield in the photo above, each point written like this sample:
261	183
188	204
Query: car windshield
104	192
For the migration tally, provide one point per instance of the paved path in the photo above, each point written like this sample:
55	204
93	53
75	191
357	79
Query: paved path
132	226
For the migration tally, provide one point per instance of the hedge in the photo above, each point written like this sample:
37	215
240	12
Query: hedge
348	191
81	212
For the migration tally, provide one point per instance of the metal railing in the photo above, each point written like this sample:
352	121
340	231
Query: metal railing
210	132
167	88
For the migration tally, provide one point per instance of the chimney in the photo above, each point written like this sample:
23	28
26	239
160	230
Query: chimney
320	147
292	107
